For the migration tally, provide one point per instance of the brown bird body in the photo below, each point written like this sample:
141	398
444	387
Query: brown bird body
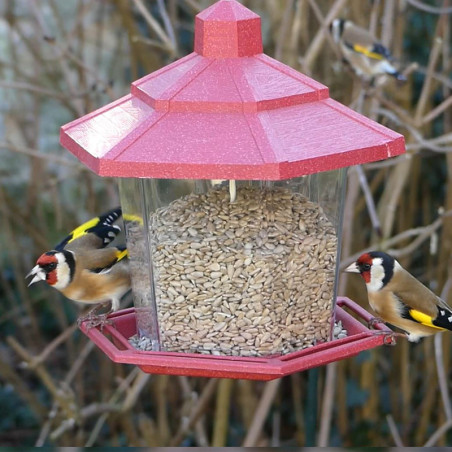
88	286
83	269
365	54
399	298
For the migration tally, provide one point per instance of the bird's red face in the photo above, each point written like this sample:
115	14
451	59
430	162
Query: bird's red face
376	268
364	264
45	269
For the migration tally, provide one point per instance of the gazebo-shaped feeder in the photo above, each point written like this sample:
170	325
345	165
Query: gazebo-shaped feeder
232	173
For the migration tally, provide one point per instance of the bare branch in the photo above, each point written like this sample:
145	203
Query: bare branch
394	432
429	8
437	435
261	413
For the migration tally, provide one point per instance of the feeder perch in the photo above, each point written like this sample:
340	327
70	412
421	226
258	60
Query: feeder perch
231	169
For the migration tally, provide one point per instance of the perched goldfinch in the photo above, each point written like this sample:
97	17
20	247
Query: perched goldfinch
367	57
399	298
83	268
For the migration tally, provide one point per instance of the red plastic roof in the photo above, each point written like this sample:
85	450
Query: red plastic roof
226	111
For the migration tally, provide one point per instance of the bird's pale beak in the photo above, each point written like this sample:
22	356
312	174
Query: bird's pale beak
38	273
352	268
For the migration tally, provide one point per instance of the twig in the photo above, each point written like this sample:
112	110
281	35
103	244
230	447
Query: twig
422	233
134	391
35	153
197	411
347	231
23	86
149	42
168	26
51	347
316	44
415	244
437	435
386	163
77	364
394	432
261	413
297	408
370	203
160	388
425	92
437	111
388	19
276	428
327	404
64	398
194	5
65	69
283	29
220	431
437	76
155	26
125	384
192	396
427	144
429	8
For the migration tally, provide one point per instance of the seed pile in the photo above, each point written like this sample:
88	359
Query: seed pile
249	278
144	343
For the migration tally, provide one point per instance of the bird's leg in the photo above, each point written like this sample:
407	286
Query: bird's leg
373	322
389	337
93	319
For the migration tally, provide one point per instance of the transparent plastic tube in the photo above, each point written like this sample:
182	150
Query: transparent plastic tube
249	277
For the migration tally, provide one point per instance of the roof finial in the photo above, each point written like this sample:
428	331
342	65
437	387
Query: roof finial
228	30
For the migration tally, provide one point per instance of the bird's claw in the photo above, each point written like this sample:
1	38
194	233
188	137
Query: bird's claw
93	319
373	322
389	337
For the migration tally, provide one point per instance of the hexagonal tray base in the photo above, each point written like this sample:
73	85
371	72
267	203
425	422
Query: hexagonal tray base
113	341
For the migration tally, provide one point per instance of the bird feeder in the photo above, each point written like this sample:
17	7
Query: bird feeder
231	170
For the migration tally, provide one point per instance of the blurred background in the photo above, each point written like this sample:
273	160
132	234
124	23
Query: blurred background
62	59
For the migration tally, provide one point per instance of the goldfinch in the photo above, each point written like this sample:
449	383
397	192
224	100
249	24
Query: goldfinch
399	298
83	268
367	57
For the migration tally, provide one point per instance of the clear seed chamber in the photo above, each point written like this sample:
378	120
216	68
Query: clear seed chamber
242	268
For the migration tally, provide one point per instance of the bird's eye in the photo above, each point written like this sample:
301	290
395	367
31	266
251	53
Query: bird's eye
51	266
366	267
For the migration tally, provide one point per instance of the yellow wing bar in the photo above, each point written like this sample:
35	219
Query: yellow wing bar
121	254
423	319
130	217
81	230
367	52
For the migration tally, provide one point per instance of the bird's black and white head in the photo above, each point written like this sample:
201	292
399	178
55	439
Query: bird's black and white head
337	28
56	268
376	268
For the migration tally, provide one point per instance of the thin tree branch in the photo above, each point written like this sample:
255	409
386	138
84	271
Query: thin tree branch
429	8
437	435
394	432
197	411
261	413
327	404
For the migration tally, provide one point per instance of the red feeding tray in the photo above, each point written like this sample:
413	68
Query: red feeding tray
113	341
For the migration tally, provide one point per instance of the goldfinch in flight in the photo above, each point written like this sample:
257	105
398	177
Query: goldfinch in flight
367	57
399	298
83	268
